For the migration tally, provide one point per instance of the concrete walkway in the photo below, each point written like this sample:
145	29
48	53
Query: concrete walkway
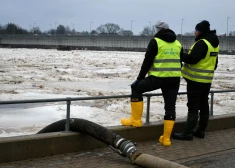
184	152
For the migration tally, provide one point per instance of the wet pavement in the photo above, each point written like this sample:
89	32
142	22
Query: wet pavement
216	150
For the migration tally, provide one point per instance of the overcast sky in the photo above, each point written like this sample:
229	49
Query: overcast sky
80	13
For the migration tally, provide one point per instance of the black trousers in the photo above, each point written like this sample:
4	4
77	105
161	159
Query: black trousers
169	87
197	94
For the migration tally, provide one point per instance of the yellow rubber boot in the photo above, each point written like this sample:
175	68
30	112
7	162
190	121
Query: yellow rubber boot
165	138
161	139
136	114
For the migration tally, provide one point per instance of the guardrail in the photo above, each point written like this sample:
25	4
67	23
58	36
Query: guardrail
69	99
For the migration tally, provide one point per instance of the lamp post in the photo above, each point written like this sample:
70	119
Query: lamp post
182	21
227	26
90	26
34	27
31	28
150	29
227	33
73	27
50	31
55	28
131	25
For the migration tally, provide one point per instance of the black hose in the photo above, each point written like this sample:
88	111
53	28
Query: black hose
125	148
83	126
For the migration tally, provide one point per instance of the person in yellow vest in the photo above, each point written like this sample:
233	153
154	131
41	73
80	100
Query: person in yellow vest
198	71
163	65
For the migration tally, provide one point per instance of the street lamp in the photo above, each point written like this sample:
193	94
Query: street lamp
50	31
34	27
182	21
55	28
227	26
90	26
131	25
55	24
31	28
182	29
73	25
150	27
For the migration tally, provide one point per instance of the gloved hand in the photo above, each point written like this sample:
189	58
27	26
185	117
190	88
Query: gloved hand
133	85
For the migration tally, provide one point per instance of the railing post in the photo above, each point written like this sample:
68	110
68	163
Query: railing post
148	109
212	103
68	114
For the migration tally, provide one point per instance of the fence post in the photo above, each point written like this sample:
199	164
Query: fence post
68	114
148	109
212	102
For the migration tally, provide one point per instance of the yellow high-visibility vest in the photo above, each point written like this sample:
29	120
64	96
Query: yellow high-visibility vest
167	61
203	71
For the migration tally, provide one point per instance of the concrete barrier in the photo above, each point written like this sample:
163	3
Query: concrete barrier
40	145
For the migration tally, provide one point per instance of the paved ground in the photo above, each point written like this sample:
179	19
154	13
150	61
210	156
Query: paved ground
199	153
220	159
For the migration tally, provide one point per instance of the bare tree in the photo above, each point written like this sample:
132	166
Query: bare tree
125	32
12	28
146	31
68	30
232	33
94	32
60	30
108	28
51	31
36	30
2	30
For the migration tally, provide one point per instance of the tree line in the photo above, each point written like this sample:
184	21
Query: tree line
104	29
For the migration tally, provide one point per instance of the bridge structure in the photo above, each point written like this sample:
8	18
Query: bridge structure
119	43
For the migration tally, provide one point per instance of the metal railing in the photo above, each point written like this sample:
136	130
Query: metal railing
69	100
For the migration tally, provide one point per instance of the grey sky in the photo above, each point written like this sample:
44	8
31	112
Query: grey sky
45	13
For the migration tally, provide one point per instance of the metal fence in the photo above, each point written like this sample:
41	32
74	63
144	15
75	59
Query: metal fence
68	101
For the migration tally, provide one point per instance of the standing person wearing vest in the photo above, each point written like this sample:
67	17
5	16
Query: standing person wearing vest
198	71
163	65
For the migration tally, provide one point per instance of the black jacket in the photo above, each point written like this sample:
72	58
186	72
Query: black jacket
152	50
200	49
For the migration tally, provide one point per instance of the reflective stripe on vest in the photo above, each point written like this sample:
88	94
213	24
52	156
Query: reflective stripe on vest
167	61
198	70
203	71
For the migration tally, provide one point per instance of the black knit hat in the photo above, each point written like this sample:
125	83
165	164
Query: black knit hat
203	26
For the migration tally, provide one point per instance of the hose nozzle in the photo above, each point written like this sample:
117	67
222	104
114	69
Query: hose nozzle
124	147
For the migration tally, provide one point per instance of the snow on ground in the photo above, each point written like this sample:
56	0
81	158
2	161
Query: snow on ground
43	74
